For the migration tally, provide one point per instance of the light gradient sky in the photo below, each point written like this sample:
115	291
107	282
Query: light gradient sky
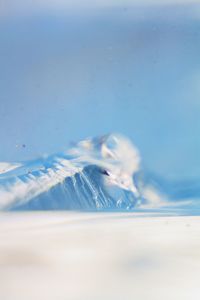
67	73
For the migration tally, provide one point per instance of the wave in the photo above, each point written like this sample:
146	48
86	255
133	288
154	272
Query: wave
95	174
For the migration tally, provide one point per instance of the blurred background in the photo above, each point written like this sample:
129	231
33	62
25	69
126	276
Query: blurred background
73	70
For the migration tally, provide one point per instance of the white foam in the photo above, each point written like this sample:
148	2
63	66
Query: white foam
6	167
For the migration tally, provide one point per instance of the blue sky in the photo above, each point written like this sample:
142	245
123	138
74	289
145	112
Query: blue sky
71	73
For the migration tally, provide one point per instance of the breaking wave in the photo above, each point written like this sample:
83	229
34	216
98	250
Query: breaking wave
96	174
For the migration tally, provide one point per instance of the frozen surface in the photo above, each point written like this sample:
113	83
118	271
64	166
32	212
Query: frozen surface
95	256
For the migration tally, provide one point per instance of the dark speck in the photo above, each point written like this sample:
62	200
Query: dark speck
104	172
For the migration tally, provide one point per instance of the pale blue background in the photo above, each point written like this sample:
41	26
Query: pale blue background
66	74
